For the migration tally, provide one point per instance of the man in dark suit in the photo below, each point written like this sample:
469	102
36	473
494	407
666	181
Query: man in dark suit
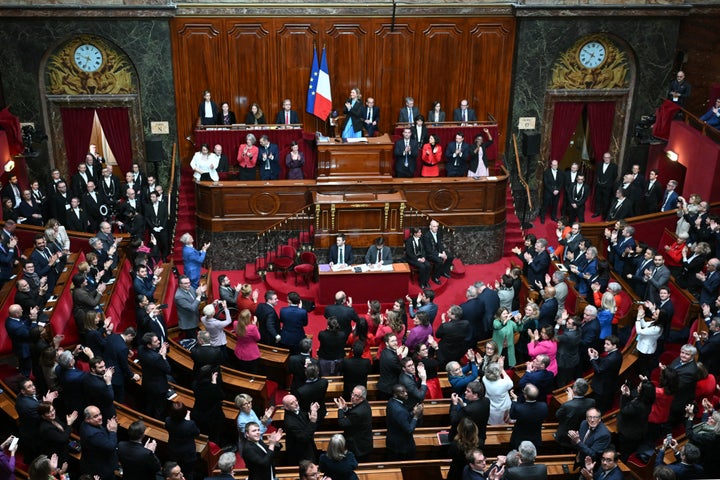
97	387
621	207
553	184
287	115
457	156
99	444
60	203
268	322
577	195
75	218
539	376
299	362
47	262
572	412
401	423
473	405
419	131
91	201
370	116
390	366
473	312
489	303
592	438
313	391
344	313
709	282
416	256
638	179
152	320
378	253
109	186
116	358
341	252
528	469
608	468
260	457
606	172
26	406
670	197
18	329
528	415
607	371
572	241
409	112
652	194
464	114
223	163
156	217
155	368
205	353
539	264
633	191
293	320
436	252
708	345
452	334
12	191
299	430
268	159
138	461
79	181
549	307
406	151
686	368
356	421
415	385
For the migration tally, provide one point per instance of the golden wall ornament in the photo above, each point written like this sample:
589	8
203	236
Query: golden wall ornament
592	63
89	65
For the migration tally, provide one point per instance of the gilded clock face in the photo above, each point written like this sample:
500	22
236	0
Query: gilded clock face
88	57
592	54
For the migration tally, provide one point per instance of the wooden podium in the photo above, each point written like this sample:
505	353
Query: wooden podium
367	160
362	217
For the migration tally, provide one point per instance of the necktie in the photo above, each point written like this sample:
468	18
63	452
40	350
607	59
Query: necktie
379	257
410	115
341	255
465	115
287	118
415	245
369	114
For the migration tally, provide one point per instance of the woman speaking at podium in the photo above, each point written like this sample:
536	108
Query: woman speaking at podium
353	120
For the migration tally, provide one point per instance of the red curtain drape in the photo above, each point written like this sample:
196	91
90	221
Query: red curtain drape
116	126
565	120
77	129
601	116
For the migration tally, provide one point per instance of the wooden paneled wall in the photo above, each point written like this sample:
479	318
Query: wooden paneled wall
263	60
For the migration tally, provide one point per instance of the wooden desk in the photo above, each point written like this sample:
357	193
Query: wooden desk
340	161
364	286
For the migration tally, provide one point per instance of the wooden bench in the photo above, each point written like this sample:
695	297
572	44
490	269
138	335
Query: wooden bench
235	380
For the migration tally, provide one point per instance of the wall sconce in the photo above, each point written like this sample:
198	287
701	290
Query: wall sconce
10	165
672	156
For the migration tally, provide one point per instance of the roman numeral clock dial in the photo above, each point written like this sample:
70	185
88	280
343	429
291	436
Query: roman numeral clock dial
88	58
592	54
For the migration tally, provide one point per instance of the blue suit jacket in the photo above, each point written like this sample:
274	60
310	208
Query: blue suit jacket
400	427
192	264
333	255
293	319
272	160
280	118
19	332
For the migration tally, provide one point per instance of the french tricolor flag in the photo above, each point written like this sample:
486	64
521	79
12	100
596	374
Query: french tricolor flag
319	99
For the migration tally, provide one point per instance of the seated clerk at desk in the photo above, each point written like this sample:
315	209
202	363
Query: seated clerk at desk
378	253
340	253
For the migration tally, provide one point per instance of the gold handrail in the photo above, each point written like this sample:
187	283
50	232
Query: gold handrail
520	175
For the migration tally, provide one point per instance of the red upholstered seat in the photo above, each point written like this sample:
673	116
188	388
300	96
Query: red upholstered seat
306	267
285	259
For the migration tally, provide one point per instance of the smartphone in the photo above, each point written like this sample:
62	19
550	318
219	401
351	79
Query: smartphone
514	312
13	443
668	438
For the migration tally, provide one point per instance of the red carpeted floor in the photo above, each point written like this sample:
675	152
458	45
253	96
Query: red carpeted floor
450	292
